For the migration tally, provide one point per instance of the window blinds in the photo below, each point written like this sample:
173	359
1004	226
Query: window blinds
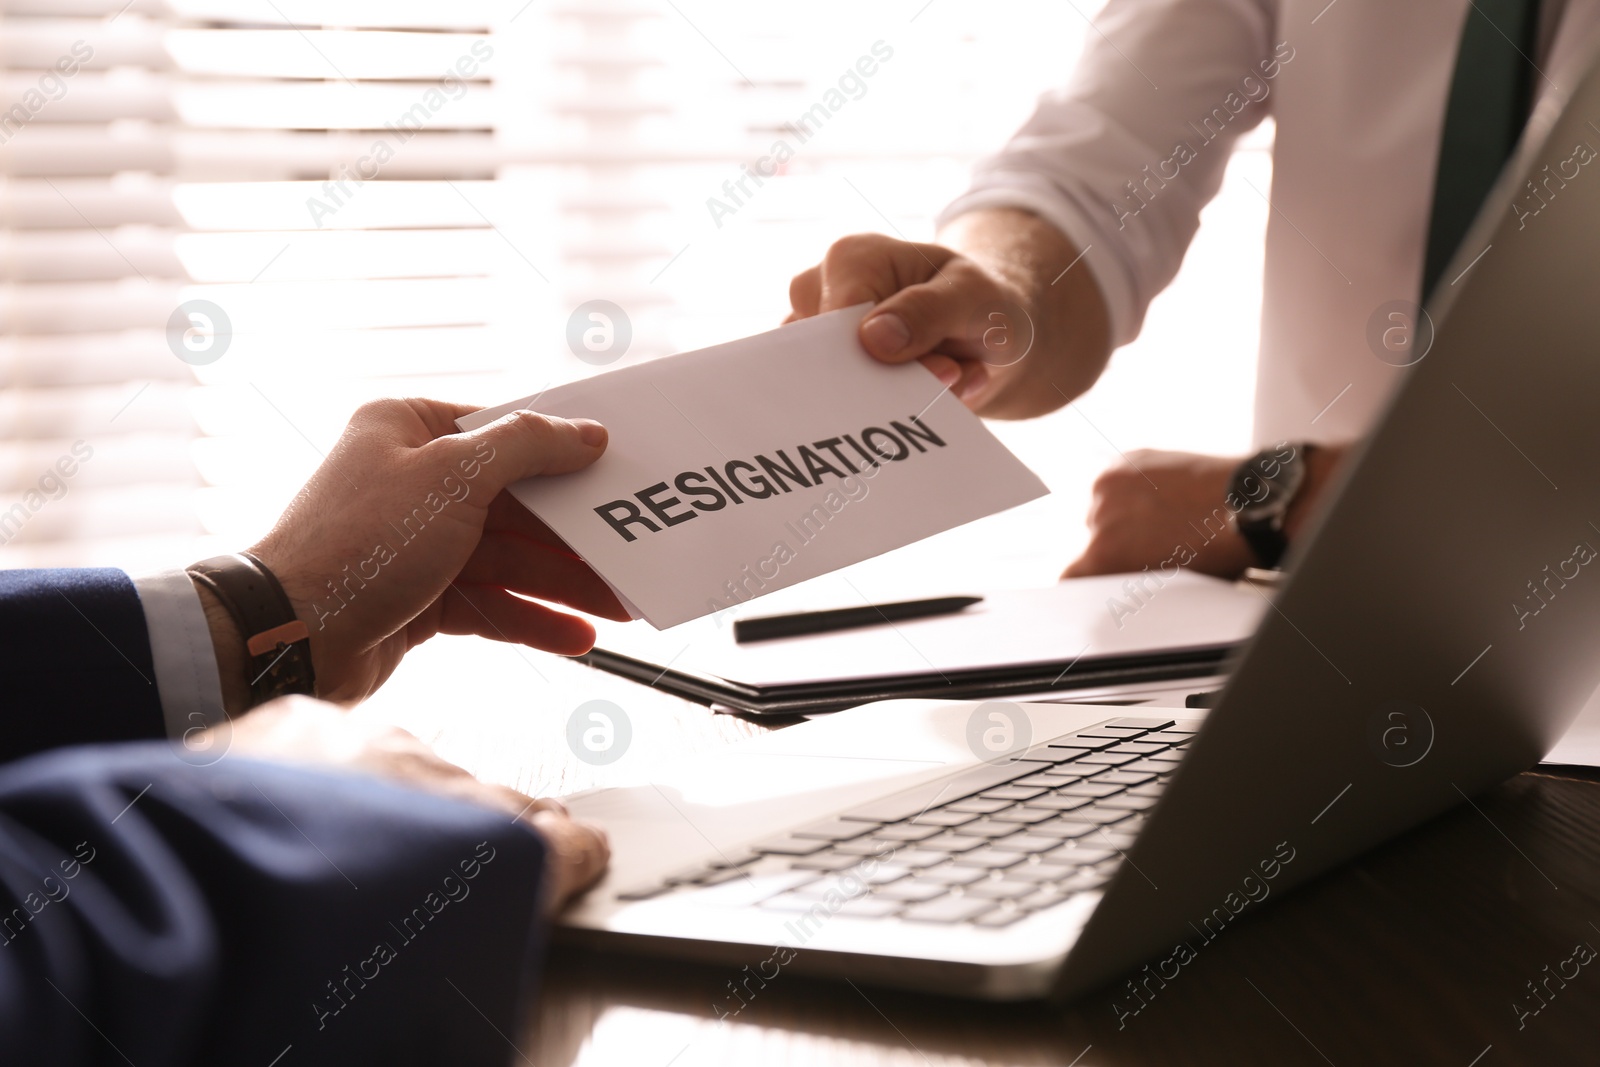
362	199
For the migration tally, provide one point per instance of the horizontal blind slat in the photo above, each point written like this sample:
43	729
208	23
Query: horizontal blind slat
354	14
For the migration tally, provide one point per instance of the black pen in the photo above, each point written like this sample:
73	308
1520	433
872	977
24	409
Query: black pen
769	627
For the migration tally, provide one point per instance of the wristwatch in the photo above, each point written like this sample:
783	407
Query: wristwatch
1260	495
277	642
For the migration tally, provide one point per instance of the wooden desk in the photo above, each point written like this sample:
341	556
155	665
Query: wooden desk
1414	954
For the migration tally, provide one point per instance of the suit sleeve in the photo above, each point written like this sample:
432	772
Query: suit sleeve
75	661
173	915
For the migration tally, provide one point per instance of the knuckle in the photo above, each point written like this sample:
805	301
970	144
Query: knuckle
855	247
971	282
533	424
1113	481
801	287
384	409
398	741
961	269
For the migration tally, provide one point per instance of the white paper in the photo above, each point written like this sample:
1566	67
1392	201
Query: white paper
805	397
1087	618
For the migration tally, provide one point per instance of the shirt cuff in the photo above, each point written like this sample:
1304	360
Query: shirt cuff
180	646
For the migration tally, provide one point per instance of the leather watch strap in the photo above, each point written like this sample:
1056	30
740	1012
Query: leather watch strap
1267	542
277	642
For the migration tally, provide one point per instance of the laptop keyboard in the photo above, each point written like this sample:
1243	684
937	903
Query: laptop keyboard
987	846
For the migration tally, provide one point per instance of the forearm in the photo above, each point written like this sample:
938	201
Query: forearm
243	873
1071	327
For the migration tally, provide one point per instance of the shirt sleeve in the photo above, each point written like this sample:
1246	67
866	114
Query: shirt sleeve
1123	158
180	647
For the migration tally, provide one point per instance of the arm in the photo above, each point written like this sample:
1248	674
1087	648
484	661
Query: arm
278	915
966	310
1070	325
404	532
1113	167
74	662
1161	506
78	656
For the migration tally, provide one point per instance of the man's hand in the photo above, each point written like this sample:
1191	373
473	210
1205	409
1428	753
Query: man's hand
1169	508
405	532
1003	322
302	730
930	300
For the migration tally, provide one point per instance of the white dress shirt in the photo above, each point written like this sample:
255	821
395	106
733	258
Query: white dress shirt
180	647
1358	91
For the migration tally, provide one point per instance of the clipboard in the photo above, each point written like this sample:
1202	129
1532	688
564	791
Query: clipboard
1077	634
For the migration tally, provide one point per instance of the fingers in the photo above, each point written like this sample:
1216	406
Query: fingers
526	444
536	568
871	267
966	378
919	318
805	294
515	804
302	730
521	805
1082	567
974	383
290	727
490	611
929	300
520	444
576	853
506	512
412	422
577	856
945	368
509	519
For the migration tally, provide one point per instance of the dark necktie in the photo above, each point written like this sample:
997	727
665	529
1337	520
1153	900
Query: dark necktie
1490	96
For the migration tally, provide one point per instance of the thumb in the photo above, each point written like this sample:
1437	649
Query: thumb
919	319
526	444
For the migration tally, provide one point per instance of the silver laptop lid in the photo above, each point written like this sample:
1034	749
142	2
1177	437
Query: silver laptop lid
1442	625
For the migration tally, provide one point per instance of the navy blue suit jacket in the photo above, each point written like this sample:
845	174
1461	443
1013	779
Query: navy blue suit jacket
74	661
161	912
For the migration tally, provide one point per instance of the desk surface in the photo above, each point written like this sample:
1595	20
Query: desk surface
1418	953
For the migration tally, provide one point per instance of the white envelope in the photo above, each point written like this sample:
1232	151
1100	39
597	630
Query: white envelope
747	467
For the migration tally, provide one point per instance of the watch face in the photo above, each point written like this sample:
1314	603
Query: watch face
1265	484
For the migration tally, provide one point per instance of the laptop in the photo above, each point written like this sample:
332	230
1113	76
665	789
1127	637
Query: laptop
1436	636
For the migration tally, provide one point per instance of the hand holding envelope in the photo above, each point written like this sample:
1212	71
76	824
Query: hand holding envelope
751	466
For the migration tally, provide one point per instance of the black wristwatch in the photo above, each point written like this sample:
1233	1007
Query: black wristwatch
1263	489
277	642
